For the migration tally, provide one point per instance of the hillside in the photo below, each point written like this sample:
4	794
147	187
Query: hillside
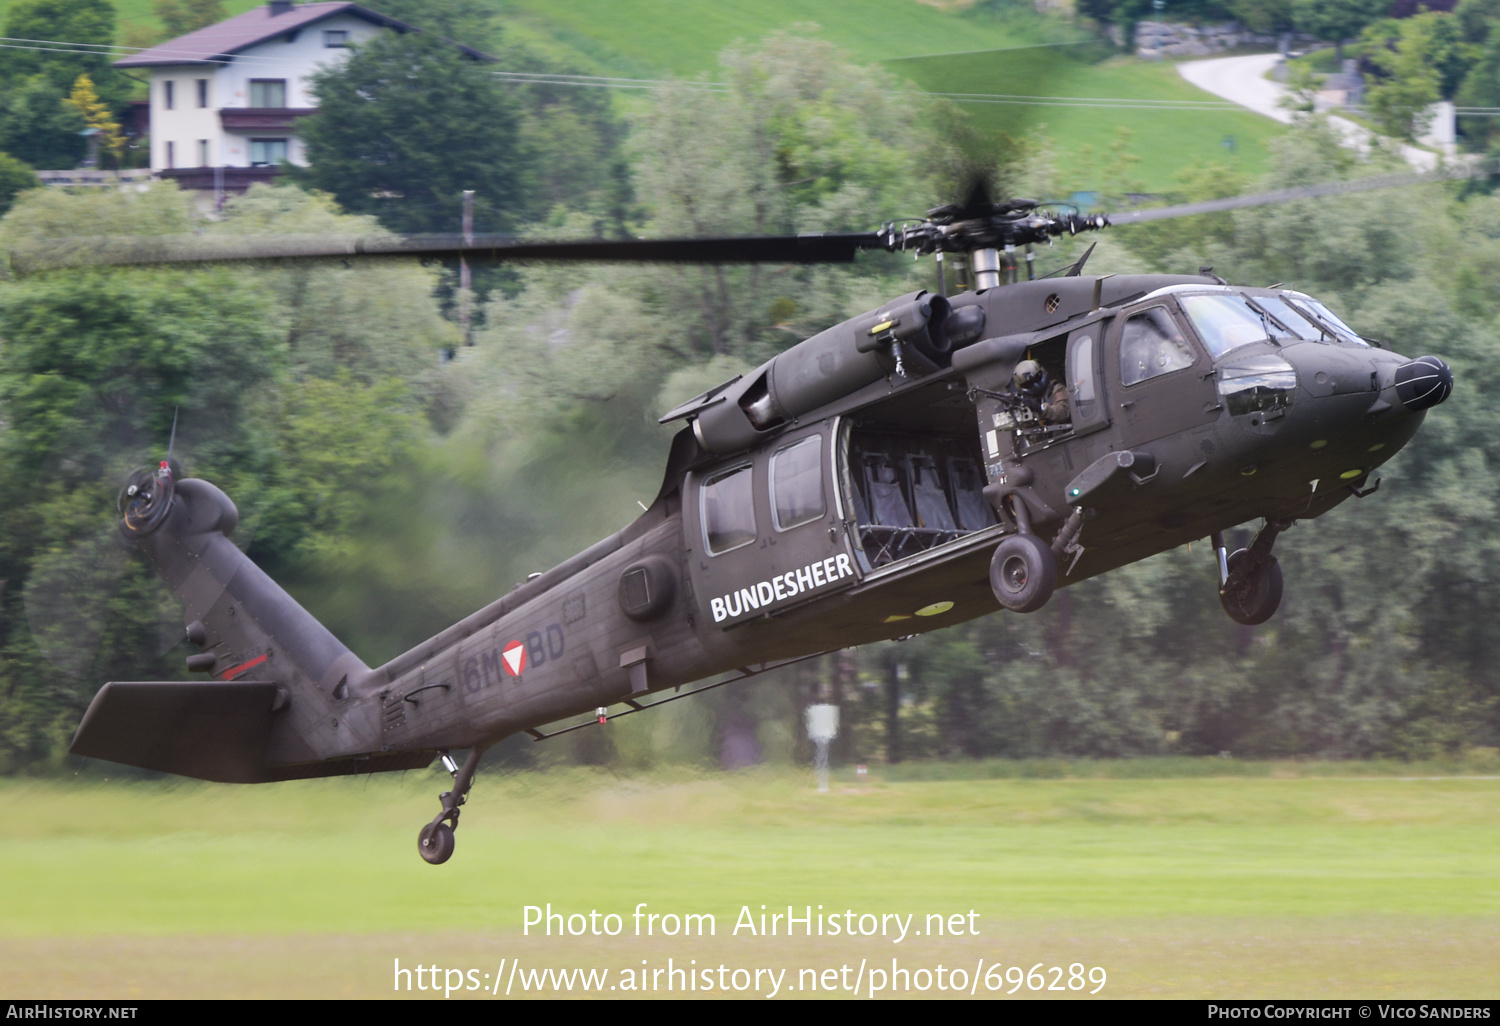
970	51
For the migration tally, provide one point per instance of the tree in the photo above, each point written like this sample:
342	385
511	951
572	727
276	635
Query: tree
1408	81
1481	88
1335	20
40	127
1477	18
803	141
15	177
96	114
1263	15
473	23
405	126
301	391
72	21
179	17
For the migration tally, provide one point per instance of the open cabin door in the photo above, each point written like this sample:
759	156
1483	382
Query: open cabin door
765	531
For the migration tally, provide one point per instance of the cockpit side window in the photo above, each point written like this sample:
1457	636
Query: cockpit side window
728	511
1151	344
1225	322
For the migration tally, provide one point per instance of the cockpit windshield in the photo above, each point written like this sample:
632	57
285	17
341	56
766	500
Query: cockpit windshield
1297	325
1343	332
1226	321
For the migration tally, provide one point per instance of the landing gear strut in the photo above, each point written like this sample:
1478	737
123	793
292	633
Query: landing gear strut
435	842
1250	579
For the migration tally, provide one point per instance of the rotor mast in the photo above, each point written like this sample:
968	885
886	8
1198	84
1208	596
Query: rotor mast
988	234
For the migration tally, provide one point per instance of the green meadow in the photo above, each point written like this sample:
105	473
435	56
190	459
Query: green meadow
937	50
1289	882
1082	139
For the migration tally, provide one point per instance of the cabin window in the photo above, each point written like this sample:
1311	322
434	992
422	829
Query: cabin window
1225	322
168	97
202	92
1081	369
797	483
335	38
1151	345
268	92
728	511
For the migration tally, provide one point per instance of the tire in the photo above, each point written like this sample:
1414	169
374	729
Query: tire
1257	600
1023	573
435	843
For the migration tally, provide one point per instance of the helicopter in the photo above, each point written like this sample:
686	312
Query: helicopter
933	460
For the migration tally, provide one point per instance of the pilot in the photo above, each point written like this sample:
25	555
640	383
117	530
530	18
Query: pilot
1048	398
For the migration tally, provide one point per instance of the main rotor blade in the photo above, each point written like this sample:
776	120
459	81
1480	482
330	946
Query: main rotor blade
813	248
1476	170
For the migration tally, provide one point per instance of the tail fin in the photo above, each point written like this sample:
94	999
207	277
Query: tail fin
279	705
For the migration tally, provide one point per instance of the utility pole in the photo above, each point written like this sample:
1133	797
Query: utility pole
464	291
895	673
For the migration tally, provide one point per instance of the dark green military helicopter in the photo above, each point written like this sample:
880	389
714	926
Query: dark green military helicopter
911	468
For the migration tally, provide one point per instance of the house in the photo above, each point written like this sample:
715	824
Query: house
225	100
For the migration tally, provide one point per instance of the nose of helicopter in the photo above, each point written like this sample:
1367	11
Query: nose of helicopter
1423	383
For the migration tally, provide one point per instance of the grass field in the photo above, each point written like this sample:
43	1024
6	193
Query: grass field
1288	885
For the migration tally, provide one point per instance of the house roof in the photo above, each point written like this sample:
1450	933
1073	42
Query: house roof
218	43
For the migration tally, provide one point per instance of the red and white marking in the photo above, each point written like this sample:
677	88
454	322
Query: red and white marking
514	656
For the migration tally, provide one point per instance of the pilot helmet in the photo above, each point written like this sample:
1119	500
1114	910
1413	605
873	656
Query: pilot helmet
1029	376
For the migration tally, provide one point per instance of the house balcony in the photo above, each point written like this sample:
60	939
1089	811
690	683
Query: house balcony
261	119
229	179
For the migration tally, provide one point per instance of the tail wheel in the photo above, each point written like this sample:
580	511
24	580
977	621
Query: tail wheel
1023	573
435	843
1257	598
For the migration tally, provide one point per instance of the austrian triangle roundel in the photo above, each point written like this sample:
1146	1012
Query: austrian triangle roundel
514	657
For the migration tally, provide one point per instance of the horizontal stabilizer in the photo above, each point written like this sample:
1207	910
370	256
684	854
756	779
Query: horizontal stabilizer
212	730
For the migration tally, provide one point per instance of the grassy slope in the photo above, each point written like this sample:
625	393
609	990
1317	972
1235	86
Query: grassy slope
683	37
1163	141
1200	886
645	37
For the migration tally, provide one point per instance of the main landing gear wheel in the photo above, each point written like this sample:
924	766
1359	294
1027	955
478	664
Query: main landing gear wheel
1023	573
435	843
1255	598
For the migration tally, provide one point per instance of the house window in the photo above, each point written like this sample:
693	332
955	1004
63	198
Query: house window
168	100
203	92
333	38
171	156
203	153
268	92
267	152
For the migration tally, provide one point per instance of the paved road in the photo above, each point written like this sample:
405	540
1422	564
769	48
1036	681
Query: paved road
1242	80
